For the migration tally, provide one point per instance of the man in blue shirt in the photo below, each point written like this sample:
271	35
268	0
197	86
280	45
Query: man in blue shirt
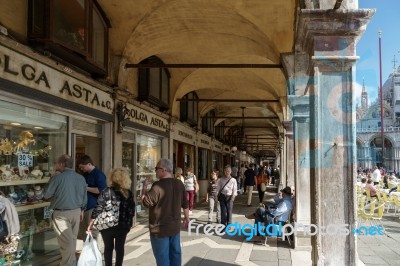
96	182
278	213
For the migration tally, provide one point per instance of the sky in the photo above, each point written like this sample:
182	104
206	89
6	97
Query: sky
387	19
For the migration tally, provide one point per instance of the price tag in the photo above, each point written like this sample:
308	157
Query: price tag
47	213
25	160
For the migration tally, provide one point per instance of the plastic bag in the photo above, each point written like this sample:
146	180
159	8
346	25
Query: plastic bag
90	255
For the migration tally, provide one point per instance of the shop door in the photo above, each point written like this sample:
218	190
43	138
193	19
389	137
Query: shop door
87	145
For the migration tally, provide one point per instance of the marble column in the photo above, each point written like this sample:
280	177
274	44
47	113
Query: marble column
301	131
329	39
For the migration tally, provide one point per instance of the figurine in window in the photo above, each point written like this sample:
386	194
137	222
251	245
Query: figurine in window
6	147
26	138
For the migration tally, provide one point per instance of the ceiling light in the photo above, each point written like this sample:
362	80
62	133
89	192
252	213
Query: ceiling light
37	127
15	124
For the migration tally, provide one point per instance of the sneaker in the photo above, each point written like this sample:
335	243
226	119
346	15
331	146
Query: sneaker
250	216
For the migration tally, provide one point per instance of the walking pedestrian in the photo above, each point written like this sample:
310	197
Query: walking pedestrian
227	192
67	194
250	180
191	186
178	174
165	199
211	198
262	181
114	237
96	181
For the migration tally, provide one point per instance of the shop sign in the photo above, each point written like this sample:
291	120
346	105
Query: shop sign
143	117
217	147
26	71
203	142
185	135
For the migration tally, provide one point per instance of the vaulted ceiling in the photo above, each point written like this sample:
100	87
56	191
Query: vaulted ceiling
232	33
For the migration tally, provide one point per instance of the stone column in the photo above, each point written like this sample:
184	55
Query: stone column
300	106
329	39
289	142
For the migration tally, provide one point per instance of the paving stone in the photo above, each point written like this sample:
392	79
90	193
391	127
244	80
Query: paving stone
269	256
285	263
372	260
263	263
283	253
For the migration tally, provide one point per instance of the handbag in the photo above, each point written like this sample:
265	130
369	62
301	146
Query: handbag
221	196
263	187
3	228
110	214
90	255
9	244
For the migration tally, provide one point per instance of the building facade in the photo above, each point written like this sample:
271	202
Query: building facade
371	150
204	83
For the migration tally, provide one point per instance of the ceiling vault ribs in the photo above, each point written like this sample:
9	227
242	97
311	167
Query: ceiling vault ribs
154	65
230	100
247	117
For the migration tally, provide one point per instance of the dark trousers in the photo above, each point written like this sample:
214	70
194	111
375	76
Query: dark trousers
260	193
226	211
114	238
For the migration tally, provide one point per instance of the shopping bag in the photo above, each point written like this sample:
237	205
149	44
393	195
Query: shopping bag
90	255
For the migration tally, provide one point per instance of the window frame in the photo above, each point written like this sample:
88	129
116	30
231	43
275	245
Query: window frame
189	107
144	83
42	35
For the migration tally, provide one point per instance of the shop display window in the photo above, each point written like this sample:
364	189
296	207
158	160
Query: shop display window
30	142
148	154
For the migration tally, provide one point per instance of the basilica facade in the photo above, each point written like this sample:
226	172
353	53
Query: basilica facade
370	148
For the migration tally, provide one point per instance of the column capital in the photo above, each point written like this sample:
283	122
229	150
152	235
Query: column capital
287	125
329	37
300	106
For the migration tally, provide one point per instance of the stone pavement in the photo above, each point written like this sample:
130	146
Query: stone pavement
226	250
219	250
381	250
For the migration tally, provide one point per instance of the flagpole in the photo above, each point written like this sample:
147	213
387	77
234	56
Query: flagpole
381	96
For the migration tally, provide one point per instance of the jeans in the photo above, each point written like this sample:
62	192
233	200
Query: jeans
167	250
190	198
263	216
114	238
226	211
211	203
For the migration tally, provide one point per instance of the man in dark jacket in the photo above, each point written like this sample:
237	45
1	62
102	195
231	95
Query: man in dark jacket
165	199
250	180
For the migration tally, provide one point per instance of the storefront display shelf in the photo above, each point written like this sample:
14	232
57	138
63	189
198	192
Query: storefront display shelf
143	173
32	206
23	182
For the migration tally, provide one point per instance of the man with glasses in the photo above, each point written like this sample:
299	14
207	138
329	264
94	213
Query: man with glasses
165	199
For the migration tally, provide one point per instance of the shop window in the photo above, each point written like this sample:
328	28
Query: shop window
189	106
73	30
148	154
154	84
30	142
207	123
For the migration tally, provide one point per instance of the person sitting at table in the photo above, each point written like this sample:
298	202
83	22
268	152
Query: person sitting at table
371	188
363	184
393	182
